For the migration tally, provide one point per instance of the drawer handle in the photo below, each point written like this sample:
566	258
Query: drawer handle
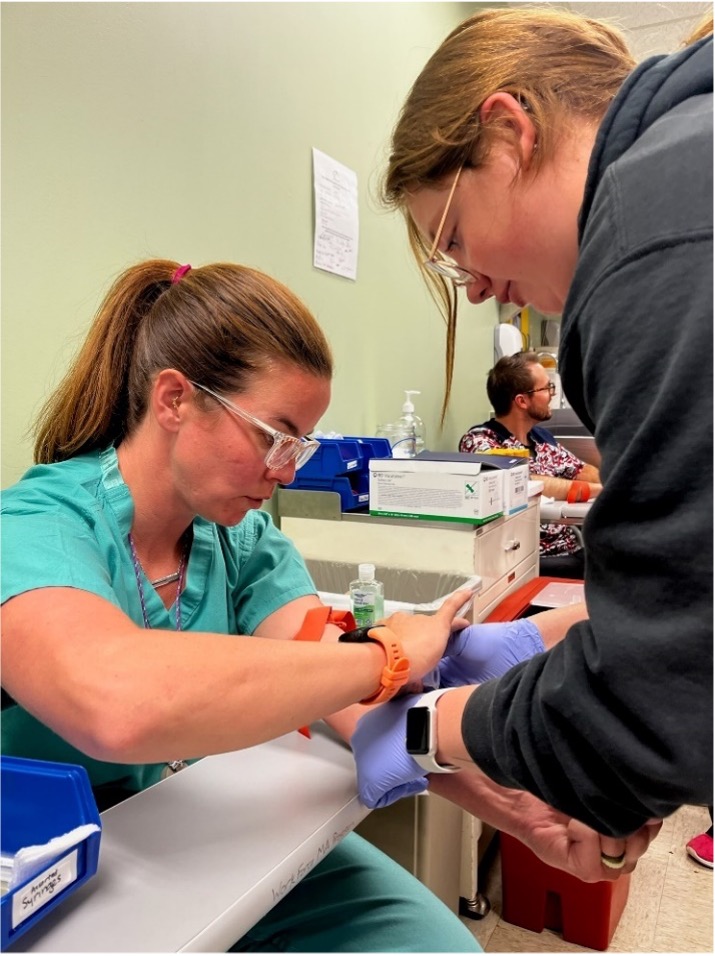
512	545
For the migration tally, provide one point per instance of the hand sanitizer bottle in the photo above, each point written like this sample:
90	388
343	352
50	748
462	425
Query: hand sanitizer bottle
367	596
411	430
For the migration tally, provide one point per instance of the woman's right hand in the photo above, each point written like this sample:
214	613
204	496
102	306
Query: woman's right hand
424	637
482	652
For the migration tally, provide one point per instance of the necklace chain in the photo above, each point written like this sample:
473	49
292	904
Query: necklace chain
139	572
172	766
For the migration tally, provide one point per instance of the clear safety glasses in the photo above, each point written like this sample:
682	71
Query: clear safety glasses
437	261
284	450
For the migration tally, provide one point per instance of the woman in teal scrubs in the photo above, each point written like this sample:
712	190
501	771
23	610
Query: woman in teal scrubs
134	552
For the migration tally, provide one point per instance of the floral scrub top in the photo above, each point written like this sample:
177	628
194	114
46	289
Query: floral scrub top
546	457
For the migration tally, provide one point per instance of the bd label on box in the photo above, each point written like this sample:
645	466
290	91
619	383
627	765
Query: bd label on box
44	887
434	490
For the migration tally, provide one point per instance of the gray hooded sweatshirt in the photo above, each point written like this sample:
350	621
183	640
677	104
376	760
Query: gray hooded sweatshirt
614	725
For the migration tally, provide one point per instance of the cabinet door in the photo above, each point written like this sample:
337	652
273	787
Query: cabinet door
501	546
506	555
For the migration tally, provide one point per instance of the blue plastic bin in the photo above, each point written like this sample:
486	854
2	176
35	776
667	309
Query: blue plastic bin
341	465
334	456
354	490
372	447
42	800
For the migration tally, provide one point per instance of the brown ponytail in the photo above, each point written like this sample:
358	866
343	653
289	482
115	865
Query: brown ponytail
217	325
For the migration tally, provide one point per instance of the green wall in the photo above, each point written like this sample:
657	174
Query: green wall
184	130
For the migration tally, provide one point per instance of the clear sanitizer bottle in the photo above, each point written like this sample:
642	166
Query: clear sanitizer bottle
367	596
411	430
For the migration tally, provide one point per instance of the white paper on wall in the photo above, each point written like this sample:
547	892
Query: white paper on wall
335	246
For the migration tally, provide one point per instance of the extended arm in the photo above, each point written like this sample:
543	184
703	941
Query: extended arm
558	488
124	694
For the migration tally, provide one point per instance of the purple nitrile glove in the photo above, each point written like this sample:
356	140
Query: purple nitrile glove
483	651
385	771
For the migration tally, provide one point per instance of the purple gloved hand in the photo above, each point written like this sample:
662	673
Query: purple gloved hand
385	771
483	651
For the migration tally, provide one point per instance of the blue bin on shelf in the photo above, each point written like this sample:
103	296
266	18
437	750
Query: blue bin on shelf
341	465
334	456
372	447
42	800
354	490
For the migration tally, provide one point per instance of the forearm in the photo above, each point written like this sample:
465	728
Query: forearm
145	696
558	488
450	708
344	721
251	690
473	791
554	624
555	838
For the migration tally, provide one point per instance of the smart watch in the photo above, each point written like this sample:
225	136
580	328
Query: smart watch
421	733
397	672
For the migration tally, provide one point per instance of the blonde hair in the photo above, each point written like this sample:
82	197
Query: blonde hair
218	325
703	29
556	64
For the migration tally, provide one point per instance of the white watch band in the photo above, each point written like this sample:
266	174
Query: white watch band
428	761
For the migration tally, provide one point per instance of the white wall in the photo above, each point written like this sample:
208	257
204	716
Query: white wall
184	130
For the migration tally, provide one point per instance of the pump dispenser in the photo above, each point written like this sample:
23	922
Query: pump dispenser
410	428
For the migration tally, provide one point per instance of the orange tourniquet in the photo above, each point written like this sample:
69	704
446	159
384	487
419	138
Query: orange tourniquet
578	491
314	624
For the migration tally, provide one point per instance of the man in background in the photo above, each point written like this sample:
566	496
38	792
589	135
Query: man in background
520	393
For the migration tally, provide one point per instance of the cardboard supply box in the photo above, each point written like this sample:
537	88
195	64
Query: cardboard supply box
516	479
515	487
436	488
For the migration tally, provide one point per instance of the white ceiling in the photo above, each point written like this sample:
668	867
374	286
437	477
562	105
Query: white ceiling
650	27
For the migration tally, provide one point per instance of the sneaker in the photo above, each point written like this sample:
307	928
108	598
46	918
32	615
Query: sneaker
701	849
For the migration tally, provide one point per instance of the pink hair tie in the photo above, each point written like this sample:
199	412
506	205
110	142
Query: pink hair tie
179	274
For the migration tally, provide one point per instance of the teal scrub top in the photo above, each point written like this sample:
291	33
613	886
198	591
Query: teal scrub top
67	525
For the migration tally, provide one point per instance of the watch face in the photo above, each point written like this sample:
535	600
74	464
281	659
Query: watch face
418	730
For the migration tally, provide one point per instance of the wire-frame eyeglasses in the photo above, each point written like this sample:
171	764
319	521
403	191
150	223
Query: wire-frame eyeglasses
436	261
550	388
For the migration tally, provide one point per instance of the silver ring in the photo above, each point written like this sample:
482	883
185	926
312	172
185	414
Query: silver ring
614	862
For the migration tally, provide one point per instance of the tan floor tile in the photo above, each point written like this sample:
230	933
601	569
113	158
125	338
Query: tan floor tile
636	928
685	915
482	929
514	939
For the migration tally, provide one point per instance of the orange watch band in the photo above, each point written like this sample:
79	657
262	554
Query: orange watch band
396	672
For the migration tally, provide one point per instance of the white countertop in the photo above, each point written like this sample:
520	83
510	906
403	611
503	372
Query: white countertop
192	863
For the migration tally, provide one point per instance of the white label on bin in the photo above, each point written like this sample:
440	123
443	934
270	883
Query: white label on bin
45	887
